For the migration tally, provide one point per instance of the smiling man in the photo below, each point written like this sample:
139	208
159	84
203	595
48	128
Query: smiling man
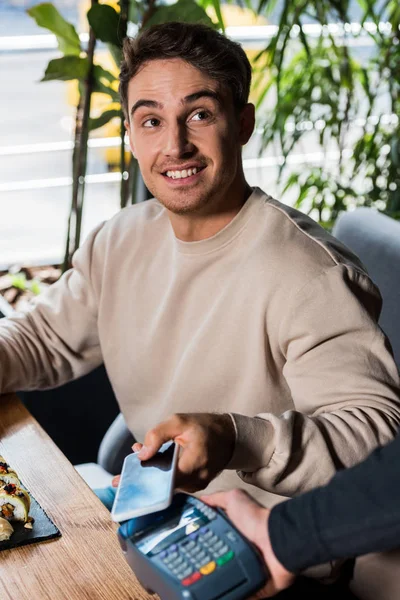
187	130
213	298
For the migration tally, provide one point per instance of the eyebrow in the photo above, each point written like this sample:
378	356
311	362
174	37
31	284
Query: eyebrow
148	103
202	94
186	100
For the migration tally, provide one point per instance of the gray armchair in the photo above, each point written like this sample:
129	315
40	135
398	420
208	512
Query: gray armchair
115	445
375	238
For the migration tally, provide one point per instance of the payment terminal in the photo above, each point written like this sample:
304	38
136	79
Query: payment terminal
193	552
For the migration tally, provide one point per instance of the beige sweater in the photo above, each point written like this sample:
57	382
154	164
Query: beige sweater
270	317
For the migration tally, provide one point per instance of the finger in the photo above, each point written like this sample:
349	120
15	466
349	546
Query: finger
115	481
137	447
232	499
156	437
219	499
268	590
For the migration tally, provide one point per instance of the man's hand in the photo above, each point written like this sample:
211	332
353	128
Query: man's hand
252	520
206	445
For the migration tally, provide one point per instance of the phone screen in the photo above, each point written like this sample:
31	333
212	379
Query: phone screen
147	486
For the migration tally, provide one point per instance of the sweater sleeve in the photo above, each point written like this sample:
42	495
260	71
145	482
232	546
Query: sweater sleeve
56	340
358	512
344	386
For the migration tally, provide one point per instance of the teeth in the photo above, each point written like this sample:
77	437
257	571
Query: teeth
182	174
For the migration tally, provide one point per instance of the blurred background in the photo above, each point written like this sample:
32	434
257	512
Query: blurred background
327	97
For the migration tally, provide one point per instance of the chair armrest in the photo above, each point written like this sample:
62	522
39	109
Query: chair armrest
115	445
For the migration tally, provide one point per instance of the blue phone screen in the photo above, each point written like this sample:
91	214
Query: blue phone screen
145	486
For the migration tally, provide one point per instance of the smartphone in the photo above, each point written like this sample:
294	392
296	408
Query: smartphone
145	487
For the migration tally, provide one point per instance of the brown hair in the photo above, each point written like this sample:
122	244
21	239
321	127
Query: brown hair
199	45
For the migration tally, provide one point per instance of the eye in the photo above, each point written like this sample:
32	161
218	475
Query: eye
201	115
153	122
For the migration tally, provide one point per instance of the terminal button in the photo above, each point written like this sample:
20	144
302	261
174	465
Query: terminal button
185	574
192	579
208	568
225	558
196	576
171	557
221	551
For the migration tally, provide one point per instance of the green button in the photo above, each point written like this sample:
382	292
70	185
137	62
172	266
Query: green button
225	558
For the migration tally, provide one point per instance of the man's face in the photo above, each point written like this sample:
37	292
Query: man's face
186	136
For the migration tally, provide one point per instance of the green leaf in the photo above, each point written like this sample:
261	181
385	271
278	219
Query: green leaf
47	16
101	88
105	22
217	7
103	81
66	68
395	151
184	11
35	287
100	73
135	11
104	118
19	281
266	7
116	53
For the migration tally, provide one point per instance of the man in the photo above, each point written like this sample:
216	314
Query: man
214	297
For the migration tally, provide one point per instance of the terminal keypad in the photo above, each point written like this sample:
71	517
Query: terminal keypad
198	554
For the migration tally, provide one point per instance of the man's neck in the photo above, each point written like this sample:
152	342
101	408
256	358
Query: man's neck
196	227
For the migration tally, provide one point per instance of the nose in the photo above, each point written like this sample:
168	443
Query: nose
177	144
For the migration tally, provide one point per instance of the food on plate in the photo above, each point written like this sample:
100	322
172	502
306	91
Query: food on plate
15	503
29	523
6	530
7	474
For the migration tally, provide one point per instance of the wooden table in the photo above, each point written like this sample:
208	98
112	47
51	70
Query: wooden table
86	563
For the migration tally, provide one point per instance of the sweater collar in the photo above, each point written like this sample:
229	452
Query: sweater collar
229	232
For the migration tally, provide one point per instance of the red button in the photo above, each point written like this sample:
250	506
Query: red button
196	576
191	579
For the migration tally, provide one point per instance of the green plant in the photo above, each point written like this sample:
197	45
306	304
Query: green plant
109	26
76	63
320	92
20	282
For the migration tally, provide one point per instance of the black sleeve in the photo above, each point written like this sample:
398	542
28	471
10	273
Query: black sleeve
357	512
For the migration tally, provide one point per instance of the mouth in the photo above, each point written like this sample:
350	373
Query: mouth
183	175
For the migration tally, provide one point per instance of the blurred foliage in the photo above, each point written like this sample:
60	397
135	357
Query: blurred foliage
20	282
311	90
320	94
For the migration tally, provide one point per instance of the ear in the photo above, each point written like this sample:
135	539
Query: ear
128	132
246	123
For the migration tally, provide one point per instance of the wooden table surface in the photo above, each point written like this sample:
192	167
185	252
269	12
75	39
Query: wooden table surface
86	563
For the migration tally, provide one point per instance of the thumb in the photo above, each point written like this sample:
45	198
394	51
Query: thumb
156	437
218	499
